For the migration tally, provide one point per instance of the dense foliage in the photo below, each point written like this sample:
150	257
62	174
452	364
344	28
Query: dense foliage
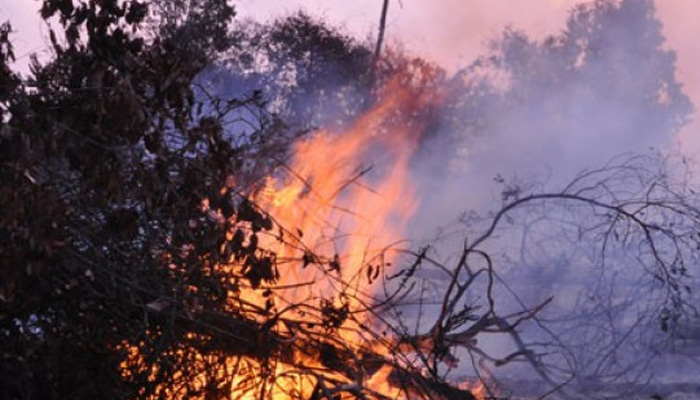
107	152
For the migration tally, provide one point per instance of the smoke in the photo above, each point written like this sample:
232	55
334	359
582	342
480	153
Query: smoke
526	116
546	110
531	115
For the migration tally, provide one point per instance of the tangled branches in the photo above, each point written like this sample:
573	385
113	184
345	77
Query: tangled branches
610	255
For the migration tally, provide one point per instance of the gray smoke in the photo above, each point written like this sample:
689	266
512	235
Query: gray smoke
528	116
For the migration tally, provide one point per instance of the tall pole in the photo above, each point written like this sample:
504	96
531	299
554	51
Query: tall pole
382	28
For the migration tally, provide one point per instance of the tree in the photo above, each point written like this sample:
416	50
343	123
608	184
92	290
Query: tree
593	82
106	155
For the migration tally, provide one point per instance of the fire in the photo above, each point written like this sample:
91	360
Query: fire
337	221
478	389
328	210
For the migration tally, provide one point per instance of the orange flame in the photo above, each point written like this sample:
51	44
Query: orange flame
329	210
326	203
330	204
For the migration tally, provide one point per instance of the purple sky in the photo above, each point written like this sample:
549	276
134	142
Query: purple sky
450	32
453	32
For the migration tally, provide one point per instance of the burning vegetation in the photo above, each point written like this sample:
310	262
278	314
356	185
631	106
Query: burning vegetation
308	263
163	238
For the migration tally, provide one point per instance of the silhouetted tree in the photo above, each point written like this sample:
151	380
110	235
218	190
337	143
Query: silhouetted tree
107	151
606	78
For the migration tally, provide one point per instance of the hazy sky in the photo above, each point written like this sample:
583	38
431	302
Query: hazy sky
453	32
450	32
